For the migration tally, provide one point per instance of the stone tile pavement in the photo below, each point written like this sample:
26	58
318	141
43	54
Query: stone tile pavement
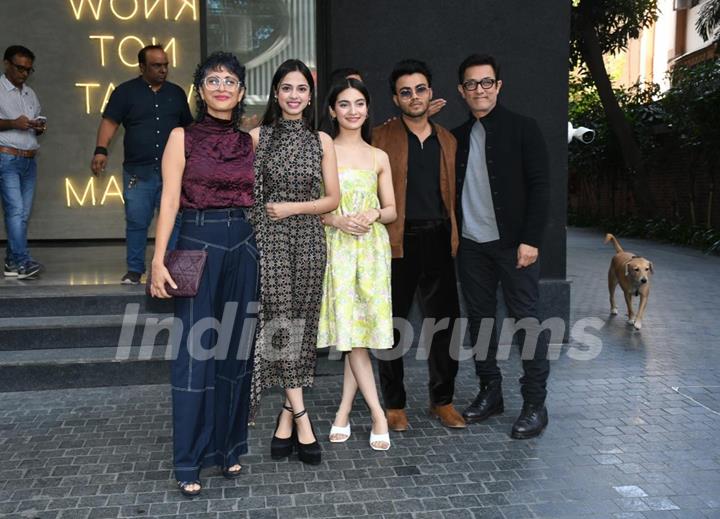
633	433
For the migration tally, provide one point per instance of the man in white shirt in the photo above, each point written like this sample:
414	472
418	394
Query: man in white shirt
20	124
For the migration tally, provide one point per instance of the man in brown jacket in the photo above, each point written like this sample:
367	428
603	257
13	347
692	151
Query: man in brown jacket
424	239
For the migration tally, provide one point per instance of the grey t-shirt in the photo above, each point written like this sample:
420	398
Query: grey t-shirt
479	224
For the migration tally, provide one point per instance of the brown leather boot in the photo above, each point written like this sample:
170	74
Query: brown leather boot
448	416
397	420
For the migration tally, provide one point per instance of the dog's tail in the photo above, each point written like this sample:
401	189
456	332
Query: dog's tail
610	237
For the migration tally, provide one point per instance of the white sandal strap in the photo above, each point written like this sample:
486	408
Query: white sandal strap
379	438
344	431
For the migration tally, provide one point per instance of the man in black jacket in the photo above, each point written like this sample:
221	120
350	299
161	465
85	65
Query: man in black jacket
502	206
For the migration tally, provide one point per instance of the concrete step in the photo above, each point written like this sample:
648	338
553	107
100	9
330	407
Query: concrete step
30	301
34	370
80	331
56	337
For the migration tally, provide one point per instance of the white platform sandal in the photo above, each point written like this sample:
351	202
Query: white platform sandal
344	431
379	438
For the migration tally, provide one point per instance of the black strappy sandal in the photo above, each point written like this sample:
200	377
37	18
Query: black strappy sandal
282	447
182	485
232	474
309	453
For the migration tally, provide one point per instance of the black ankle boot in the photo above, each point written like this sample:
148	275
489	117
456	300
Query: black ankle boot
532	421
282	447
487	403
309	453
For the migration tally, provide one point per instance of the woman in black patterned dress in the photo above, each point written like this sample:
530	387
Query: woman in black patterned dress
296	181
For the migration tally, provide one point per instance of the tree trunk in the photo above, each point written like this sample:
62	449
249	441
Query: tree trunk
692	162
613	193
711	194
619	125
708	223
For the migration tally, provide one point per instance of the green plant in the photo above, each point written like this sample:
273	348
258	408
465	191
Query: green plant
707	240
708	21
692	105
603	158
684	120
601	27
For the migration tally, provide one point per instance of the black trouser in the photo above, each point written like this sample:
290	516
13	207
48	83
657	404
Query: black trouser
427	267
480	267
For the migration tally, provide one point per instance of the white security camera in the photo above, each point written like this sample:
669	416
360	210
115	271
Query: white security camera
584	135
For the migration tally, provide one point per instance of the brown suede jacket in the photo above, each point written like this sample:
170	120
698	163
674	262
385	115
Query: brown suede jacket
391	137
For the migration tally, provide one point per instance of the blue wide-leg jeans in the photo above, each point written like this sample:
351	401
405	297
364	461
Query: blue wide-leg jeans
212	372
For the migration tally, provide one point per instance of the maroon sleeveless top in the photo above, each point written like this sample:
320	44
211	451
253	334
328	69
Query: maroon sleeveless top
218	166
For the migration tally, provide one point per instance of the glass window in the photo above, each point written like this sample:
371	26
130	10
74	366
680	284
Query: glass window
262	34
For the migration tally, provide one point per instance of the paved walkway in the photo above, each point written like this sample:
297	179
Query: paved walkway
633	433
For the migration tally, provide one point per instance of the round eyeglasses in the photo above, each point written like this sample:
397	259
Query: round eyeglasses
407	92
214	82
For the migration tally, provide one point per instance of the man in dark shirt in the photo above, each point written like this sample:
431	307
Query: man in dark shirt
503	198
149	107
423	239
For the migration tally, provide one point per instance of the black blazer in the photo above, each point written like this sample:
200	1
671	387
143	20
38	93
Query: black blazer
517	163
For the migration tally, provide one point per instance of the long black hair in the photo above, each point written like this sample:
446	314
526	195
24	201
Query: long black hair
213	62
273	112
339	88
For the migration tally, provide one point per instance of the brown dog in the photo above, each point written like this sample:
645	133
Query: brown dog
633	274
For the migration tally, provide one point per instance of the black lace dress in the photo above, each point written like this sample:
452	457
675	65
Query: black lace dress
292	258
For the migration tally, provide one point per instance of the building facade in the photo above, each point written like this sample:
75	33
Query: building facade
671	41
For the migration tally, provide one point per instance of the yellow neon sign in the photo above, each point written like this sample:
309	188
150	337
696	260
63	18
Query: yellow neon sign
148	11
130	9
109	91
87	87
128	16
78	5
112	189
93	191
101	39
120	50
170	47
89	189
116	191
187	3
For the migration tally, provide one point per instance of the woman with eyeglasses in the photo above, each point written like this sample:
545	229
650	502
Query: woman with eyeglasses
296	182
207	172
356	313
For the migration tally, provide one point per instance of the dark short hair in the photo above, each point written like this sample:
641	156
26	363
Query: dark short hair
142	55
213	62
337	75
273	112
478	59
338	88
18	50
407	67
